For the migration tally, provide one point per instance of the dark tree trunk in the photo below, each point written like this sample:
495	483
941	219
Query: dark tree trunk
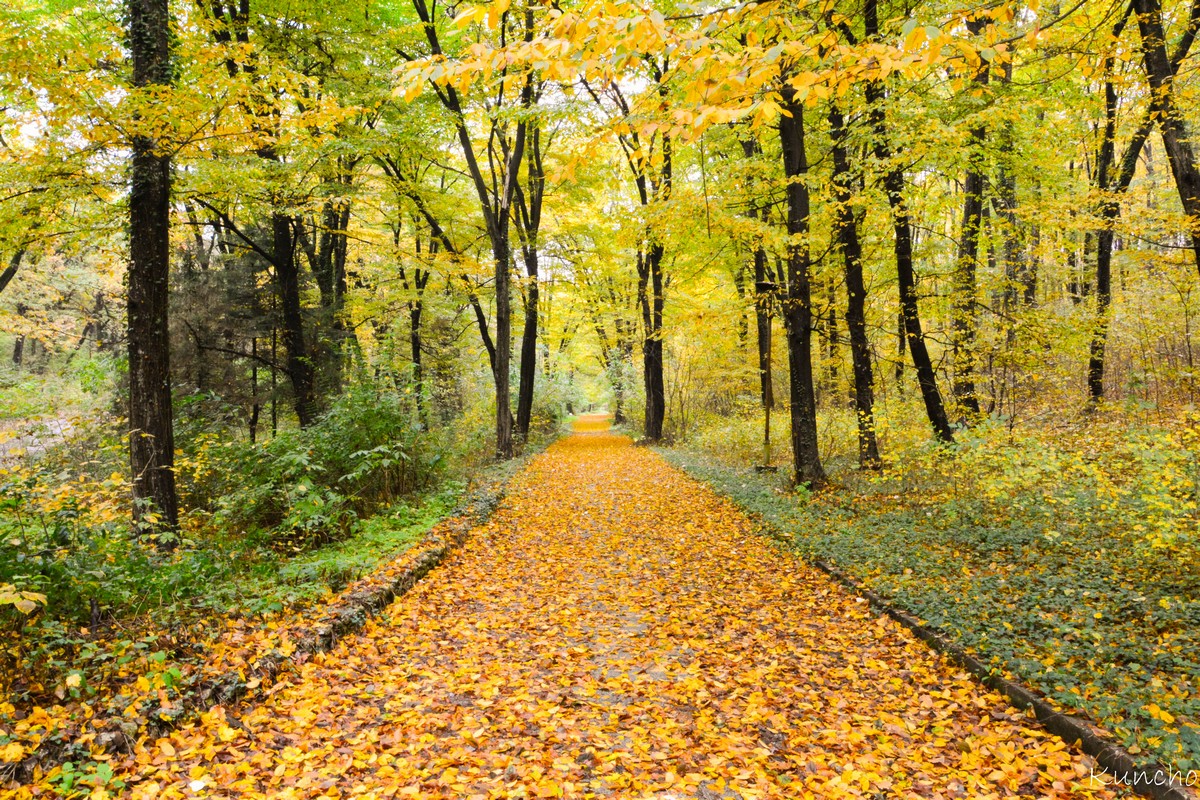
764	292
327	251
502	255
529	223
965	317
287	281
1109	211
650	296
624	351
10	271
906	276
1160	72
910	319
797	307
846	226
1015	263
255	405
496	208
151	437
1116	185
529	338
415	309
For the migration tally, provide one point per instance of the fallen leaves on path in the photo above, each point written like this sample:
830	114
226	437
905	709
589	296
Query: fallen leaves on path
616	630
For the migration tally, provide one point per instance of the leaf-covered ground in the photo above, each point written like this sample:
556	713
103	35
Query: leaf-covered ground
617	630
1025	564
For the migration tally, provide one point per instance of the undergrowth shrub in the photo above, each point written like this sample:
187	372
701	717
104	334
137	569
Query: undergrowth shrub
306	486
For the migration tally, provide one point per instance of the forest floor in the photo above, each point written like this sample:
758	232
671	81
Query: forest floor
617	630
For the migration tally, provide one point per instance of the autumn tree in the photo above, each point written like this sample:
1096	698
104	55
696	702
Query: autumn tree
151	436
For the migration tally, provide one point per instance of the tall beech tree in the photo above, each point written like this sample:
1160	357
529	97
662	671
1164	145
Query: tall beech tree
527	213
151	429
651	161
845	182
1112	185
495	204
797	304
966	287
902	242
1161	76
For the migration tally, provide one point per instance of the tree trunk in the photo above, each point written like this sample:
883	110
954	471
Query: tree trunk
902	227
1109	211
965	318
764	291
287	281
650	294
415	309
529	222
797	307
1112	188
528	373
151	437
1160	72
846	226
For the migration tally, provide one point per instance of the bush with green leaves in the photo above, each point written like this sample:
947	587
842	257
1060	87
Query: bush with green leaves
308	485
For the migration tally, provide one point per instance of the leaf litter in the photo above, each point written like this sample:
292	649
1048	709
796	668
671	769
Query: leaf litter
617	630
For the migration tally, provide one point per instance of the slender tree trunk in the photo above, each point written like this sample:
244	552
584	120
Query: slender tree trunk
287	281
504	419
151	437
415	309
902	227
496	208
965	317
529	339
10	271
1160	72
255	405
1109	211
1118	184
846	226
797	307
1015	267
764	291
650	294
529	223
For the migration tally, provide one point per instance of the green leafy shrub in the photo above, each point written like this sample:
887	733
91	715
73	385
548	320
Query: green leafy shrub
307	486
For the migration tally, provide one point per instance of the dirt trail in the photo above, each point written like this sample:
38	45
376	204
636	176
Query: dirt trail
617	630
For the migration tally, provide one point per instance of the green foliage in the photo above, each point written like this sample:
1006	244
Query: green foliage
307	486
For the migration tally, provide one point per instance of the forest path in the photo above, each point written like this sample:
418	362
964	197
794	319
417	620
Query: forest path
617	630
